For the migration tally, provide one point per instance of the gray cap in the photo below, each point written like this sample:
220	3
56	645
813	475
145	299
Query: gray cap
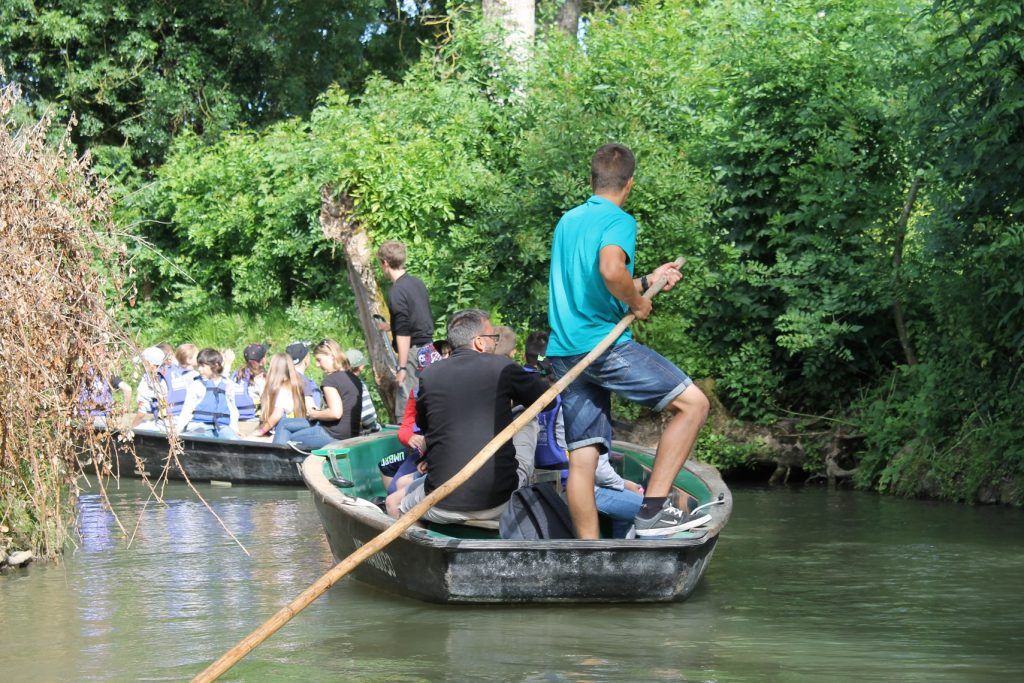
356	359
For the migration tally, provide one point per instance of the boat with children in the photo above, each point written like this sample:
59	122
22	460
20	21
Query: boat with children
473	564
205	458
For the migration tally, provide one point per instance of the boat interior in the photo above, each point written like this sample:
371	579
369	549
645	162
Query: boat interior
352	467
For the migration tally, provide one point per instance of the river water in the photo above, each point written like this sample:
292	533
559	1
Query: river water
806	584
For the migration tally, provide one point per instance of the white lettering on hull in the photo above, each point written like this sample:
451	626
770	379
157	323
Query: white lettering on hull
380	561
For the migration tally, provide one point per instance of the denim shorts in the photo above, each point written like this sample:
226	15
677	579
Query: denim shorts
630	370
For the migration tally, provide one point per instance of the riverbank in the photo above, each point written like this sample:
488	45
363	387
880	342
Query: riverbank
11	559
808	449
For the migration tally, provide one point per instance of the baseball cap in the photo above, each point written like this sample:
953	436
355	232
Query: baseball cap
297	350
426	355
255	351
153	355
355	358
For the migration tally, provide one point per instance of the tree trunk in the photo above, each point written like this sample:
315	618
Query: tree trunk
337	225
518	19
568	17
897	260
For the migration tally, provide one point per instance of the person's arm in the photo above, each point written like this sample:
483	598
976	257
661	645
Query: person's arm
620	283
405	432
126	391
333	410
670	271
401	329
403	342
229	397
525	387
275	416
606	476
422	421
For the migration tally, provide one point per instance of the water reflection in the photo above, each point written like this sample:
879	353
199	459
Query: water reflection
804	585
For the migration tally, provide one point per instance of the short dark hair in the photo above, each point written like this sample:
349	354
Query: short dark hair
465	326
212	358
611	167
536	346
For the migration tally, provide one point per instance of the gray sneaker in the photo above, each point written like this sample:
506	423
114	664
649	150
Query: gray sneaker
669	520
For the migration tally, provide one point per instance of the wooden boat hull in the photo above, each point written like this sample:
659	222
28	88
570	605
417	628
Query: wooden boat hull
205	459
433	567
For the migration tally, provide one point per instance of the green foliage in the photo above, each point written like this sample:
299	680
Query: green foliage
139	72
718	450
234	328
776	144
951	426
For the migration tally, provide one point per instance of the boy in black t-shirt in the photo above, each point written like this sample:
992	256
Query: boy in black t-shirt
412	324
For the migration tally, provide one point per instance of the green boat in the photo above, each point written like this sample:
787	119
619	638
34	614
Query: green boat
470	564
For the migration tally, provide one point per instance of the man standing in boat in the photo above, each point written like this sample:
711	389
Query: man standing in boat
412	324
591	288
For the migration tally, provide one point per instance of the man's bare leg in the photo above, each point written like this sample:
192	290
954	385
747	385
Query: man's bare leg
691	410
580	491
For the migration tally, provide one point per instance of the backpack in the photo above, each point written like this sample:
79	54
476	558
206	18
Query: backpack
536	512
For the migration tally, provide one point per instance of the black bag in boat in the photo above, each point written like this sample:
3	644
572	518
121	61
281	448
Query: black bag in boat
535	512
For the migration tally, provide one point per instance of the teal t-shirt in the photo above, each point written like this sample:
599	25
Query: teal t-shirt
581	310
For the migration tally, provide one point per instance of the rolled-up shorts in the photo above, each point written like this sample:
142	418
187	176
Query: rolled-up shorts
630	370
389	465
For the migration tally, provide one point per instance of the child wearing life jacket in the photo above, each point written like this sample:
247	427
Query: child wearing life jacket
283	396
209	408
250	379
186	355
161	392
96	397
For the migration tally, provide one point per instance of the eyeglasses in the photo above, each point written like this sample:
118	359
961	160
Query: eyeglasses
495	337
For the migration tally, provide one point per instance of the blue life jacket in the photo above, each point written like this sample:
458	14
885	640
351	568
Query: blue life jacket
175	380
548	453
95	399
213	409
310	388
243	401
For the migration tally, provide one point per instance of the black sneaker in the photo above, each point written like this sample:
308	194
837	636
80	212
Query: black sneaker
667	521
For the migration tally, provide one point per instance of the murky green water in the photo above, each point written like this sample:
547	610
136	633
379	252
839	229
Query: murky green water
805	585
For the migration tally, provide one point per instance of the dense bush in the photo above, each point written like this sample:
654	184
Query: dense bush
776	142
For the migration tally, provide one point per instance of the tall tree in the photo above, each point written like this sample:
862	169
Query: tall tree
518	21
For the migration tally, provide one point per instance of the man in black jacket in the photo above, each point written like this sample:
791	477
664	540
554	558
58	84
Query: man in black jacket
463	401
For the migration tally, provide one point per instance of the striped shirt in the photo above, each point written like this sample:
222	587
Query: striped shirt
369	418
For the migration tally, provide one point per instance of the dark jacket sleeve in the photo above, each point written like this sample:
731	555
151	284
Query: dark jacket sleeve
401	321
525	387
421	409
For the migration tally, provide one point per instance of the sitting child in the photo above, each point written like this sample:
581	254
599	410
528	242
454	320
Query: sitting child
283	395
209	408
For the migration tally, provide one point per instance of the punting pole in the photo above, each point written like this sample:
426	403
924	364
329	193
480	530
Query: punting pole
318	588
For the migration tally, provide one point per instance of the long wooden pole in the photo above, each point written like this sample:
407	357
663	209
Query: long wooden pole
285	614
